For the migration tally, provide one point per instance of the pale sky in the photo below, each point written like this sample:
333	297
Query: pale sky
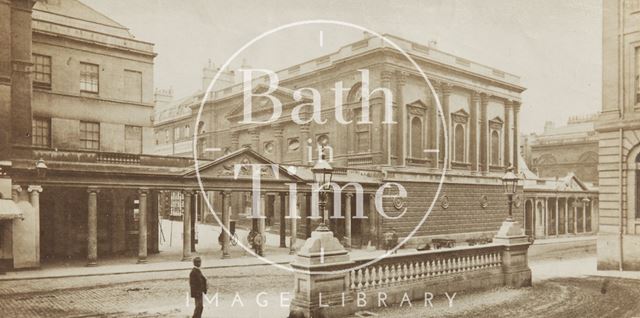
554	46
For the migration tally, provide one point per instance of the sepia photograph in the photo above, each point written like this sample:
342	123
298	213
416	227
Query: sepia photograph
319	159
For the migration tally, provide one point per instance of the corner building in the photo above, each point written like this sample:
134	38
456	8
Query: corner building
481	107
618	129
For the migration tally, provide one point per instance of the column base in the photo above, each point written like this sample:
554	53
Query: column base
92	264
292	252
226	255
186	258
142	261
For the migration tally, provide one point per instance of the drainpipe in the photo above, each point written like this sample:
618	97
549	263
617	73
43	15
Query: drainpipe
621	230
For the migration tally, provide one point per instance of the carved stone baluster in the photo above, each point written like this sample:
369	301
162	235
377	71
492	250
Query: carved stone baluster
380	275
352	277
367	277
359	285
387	275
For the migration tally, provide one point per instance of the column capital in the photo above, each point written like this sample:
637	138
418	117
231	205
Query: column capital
348	194
516	106
225	193
188	192
446	88
508	104
475	96
34	188
484	98
401	77
93	190
304	128
143	191
386	75
16	188
278	130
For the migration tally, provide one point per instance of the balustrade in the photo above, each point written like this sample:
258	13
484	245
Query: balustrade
408	268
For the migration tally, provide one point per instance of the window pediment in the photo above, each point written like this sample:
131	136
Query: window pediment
460	116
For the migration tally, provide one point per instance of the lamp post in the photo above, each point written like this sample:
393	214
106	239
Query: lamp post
41	168
510	183
322	174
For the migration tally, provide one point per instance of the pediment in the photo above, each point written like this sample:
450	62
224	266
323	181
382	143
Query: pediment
226	167
460	116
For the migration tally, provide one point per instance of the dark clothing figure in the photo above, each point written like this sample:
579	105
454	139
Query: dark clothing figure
198	284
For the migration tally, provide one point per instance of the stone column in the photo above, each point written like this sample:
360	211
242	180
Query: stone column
255	139
546	221
401	133
281	213
575	216
432	142
34	198
142	226
294	213
304	136
347	220
446	92
279	142
473	127
584	217
516	147
557	215
92	227
186	226
385	131
261	221
507	129
226	200
373	221
21	79
566	215
235	141
484	151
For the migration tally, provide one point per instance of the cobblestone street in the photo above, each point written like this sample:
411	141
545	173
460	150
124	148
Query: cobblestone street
568	292
146	294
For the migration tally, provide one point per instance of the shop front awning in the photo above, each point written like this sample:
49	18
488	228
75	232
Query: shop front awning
9	210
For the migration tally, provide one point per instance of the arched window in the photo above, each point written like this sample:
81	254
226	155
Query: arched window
355	93
495	148
459	140
187	131
416	138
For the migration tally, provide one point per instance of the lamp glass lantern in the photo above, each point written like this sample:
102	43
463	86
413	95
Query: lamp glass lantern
510	183
322	174
41	168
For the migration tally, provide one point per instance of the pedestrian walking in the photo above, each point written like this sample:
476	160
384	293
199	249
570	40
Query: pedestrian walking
198	284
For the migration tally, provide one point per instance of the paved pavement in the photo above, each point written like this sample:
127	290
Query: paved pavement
563	284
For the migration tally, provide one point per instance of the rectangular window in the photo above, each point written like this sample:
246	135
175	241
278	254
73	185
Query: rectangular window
177	203
89	78
176	134
133	85
133	139
41	71
90	135
41	132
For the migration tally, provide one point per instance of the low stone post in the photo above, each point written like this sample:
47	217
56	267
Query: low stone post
515	262
320	289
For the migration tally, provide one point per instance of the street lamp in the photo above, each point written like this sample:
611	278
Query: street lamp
322	174
510	183
41	168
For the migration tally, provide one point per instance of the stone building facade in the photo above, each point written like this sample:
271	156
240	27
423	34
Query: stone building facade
560	150
618	128
76	105
481	114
